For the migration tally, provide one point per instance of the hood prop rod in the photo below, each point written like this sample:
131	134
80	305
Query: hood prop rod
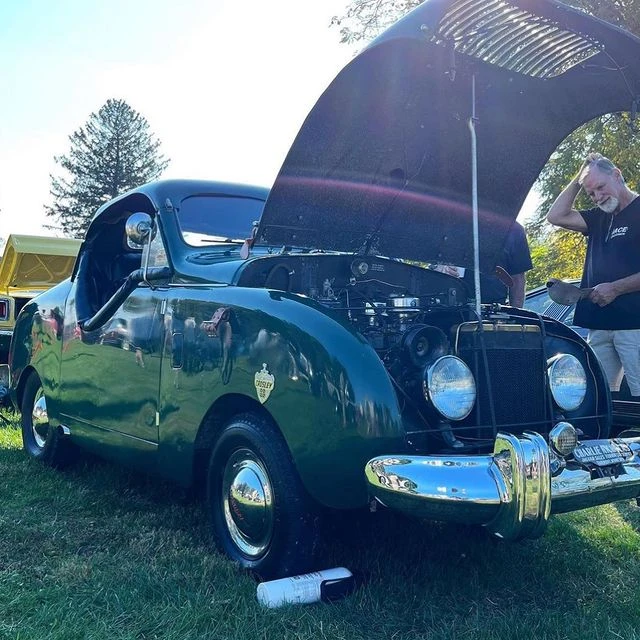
474	197
476	250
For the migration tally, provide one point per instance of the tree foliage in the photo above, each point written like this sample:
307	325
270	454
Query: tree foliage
365	19
110	154
554	252
558	255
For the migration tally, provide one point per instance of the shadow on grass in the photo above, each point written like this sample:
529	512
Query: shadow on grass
420	579
580	565
630	512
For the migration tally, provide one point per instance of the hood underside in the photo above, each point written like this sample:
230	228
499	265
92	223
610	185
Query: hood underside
33	263
383	163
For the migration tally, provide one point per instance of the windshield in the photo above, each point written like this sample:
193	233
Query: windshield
204	220
539	303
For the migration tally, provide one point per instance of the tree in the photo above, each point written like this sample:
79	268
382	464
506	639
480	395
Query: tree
560	255
365	19
112	153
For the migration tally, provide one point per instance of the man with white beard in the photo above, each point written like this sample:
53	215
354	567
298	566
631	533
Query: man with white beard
612	266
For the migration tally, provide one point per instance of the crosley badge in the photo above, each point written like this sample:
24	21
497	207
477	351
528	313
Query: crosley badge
264	383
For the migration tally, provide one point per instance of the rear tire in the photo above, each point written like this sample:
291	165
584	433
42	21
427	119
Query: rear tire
261	515
39	439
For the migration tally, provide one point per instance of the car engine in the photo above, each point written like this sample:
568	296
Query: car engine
415	317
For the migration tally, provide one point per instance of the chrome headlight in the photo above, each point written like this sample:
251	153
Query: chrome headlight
568	381
563	438
450	387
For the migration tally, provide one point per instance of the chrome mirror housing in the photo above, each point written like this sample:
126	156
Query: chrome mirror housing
138	228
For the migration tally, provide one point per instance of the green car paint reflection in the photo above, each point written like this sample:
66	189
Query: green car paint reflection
159	355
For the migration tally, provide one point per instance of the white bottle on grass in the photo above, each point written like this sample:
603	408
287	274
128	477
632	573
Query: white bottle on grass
325	586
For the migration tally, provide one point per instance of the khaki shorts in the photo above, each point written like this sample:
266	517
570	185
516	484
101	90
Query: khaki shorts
619	354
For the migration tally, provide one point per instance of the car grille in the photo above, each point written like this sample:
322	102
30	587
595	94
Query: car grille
516	382
556	311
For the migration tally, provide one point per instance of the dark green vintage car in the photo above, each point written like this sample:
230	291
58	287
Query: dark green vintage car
290	351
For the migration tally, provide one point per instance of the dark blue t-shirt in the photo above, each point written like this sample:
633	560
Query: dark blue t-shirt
514	259
613	252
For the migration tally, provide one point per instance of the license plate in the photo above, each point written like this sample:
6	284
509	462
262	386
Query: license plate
602	453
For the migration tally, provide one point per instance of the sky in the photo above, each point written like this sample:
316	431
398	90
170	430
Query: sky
225	85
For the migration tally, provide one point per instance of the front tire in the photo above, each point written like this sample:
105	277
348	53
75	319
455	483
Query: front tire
39	439
261	515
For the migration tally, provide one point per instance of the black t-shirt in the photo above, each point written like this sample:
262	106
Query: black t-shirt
613	252
514	259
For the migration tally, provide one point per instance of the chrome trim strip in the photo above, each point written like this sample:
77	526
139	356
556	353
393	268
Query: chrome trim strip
511	492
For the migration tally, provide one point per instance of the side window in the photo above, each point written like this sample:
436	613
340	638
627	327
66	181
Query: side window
157	252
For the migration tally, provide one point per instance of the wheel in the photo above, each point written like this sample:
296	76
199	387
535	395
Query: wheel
261	515
38	438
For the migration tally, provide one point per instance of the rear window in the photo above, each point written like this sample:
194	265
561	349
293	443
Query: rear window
206	220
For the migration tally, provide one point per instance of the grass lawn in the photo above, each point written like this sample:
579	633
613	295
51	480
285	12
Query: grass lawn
97	552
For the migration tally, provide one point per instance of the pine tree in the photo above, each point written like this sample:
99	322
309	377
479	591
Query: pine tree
110	154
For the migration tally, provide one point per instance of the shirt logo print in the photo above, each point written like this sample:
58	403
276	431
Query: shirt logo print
618	231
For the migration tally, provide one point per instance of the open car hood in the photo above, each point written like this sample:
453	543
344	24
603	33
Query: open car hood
31	264
383	163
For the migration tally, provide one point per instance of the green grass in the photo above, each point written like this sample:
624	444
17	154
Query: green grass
97	552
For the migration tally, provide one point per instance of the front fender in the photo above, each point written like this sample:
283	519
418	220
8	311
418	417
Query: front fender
323	384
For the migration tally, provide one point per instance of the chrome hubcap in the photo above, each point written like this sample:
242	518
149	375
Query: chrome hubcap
247	500
40	419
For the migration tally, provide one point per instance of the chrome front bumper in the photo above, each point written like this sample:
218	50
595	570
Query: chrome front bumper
512	492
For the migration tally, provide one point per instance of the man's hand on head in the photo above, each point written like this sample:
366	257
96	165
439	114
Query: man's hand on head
590	159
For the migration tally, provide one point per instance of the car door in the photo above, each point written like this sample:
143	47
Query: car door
110	376
111	355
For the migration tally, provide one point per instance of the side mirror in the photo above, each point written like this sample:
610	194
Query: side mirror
138	228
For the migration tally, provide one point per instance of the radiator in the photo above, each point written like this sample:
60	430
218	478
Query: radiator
516	379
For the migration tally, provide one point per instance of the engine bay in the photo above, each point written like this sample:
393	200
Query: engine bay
374	293
413	316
